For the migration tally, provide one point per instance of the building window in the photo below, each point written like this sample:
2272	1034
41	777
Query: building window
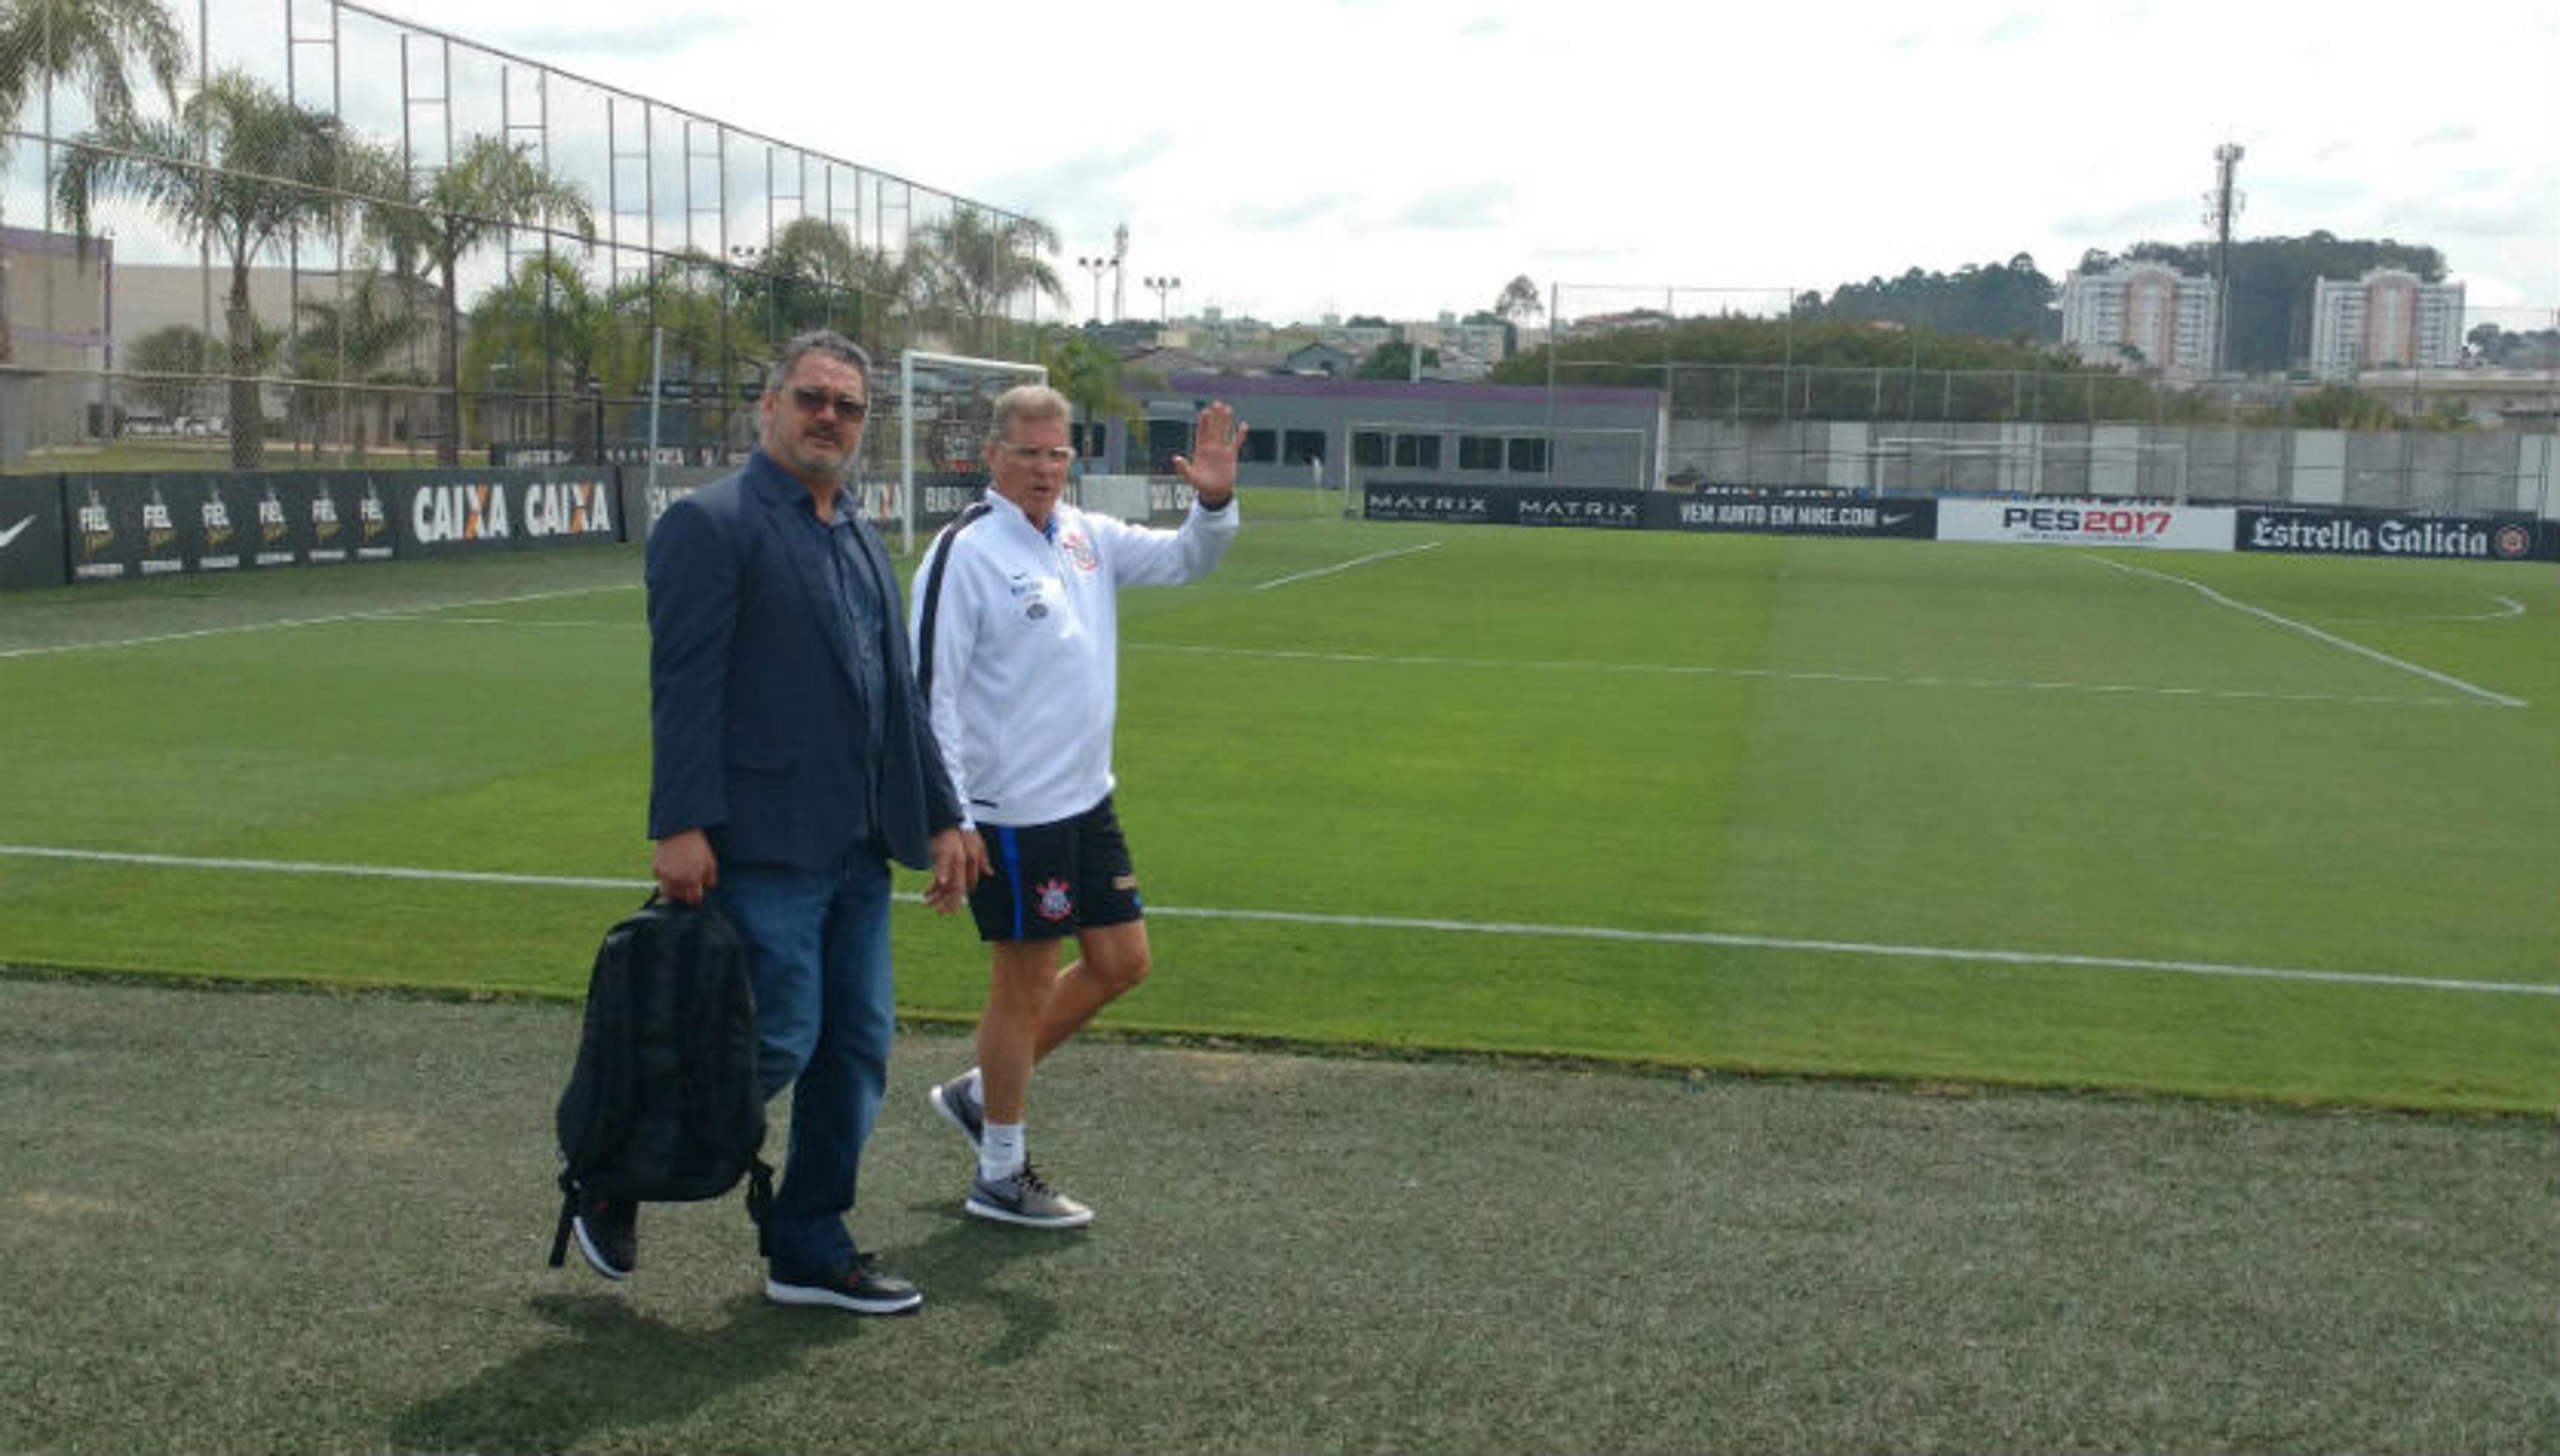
1299	446
1166	438
1480	453
1528	456
1368	447
1418	452
1258	448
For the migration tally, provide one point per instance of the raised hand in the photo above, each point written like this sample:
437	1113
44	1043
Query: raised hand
1212	473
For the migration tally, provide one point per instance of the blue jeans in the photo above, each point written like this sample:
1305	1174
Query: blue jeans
818	944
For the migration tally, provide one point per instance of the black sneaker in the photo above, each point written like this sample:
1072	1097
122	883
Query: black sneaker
961	1110
608	1234
860	1286
1024	1198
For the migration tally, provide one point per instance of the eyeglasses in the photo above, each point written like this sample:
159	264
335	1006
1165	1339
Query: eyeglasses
1038	454
817	401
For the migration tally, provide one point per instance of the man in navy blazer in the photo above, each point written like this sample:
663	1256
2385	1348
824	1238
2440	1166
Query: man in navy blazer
791	759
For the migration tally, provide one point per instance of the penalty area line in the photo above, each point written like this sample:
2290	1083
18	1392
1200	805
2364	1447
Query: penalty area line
2343	644
1375	556
1782	675
1954	954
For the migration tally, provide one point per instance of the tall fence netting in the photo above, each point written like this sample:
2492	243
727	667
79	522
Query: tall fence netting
339	238
1776	400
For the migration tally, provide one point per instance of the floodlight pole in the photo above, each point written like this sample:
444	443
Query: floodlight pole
1095	267
2221	205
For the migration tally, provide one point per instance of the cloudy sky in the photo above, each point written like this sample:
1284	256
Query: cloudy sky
1406	157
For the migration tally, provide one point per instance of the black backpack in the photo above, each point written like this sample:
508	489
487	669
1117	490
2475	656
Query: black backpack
663	1105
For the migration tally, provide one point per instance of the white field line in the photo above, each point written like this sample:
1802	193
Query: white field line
390	613
307	866
1683	670
1375	556
573	625
1394	922
1864	947
2342	644
2507	607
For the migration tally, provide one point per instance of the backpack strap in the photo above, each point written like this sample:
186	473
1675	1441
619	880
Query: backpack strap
759	1204
569	1210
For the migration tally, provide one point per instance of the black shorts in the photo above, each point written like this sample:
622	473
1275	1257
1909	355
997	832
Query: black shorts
1045	881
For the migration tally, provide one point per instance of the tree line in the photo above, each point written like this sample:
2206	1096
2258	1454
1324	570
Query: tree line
1796	368
2270	291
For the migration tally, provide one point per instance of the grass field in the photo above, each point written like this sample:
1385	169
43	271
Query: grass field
2278	838
2248	826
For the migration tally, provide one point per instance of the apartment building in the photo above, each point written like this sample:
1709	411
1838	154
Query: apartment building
2387	319
2142	314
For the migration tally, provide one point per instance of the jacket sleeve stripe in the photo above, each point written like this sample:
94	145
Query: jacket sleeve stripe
930	607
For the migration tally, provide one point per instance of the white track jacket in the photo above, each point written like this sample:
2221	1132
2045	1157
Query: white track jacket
1016	646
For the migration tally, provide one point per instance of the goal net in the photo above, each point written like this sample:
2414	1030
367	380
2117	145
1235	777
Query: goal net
944	405
2027	461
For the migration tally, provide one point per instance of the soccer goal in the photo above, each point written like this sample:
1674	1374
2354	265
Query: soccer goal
2024	461
945	403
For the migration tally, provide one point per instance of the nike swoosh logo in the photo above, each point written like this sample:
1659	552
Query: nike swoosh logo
13	531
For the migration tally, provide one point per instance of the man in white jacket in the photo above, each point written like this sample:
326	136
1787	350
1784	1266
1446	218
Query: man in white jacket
1017	649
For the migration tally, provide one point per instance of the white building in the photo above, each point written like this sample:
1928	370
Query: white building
2386	319
2140	313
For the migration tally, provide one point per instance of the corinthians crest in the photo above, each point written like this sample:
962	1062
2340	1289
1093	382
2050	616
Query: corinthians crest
1052	899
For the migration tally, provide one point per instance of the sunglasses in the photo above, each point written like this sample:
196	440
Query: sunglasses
817	401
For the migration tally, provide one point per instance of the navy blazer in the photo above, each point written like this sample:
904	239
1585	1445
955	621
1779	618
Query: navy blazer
751	674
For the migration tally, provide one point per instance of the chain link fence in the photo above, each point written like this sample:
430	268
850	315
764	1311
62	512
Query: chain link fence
268	233
1875	406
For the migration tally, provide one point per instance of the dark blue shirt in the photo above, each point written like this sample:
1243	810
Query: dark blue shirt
862	605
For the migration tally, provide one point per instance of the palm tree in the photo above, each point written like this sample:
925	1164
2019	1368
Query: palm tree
682	310
90	43
974	263
269	186
492	186
814	275
350	342
166	367
1087	374
547	328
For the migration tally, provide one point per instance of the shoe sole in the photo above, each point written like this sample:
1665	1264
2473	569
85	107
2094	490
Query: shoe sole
950	1114
596	1259
814	1297
1003	1214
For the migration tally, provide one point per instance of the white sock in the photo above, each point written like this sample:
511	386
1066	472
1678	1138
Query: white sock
999	1153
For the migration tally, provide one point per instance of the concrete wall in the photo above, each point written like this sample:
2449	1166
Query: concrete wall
2454	472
